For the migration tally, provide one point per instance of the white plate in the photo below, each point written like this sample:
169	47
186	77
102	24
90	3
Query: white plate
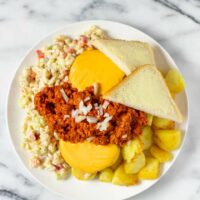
71	188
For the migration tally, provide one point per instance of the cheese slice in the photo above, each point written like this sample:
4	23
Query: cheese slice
127	55
93	66
89	157
146	90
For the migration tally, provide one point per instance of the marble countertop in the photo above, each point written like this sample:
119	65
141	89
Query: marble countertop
175	24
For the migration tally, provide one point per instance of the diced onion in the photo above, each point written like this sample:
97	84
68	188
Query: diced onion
90	138
107	119
96	88
79	118
66	116
89	107
102	126
96	105
86	99
66	79
105	104
124	136
65	97
81	104
74	113
106	115
100	110
84	109
91	119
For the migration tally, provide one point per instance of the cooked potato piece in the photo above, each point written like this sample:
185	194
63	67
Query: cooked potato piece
161	155
167	139
175	81
106	175
81	175
131	149
149	119
117	163
151	170
146	137
135	165
161	123
121	178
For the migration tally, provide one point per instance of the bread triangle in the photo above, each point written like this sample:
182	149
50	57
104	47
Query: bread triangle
146	90
127	55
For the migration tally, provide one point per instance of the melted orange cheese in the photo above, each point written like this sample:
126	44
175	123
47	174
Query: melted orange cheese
93	66
89	157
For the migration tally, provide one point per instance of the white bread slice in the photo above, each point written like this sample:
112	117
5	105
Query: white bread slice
127	55
146	90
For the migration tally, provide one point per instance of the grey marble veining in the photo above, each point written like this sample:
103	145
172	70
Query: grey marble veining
175	24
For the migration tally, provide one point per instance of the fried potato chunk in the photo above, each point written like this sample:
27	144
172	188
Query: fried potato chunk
151	170
175	81
106	175
131	149
121	178
167	139
81	175
135	165
161	123
161	155
146	137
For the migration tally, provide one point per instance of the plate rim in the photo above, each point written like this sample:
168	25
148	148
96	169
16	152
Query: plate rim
50	34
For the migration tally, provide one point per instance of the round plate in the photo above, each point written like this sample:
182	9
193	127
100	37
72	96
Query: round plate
71	188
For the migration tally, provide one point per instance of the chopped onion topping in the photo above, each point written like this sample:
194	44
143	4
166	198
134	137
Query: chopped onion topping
89	107
91	119
96	105
66	79
81	104
96	88
100	110
102	126
98	126
65	97
106	115
66	116
107	119
105	104
79	118
84	109
86	99
124	136
89	139
74	113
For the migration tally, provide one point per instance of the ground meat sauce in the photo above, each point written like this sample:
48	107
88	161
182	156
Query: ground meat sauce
126	123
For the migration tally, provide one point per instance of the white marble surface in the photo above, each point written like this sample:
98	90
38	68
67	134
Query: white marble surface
173	23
